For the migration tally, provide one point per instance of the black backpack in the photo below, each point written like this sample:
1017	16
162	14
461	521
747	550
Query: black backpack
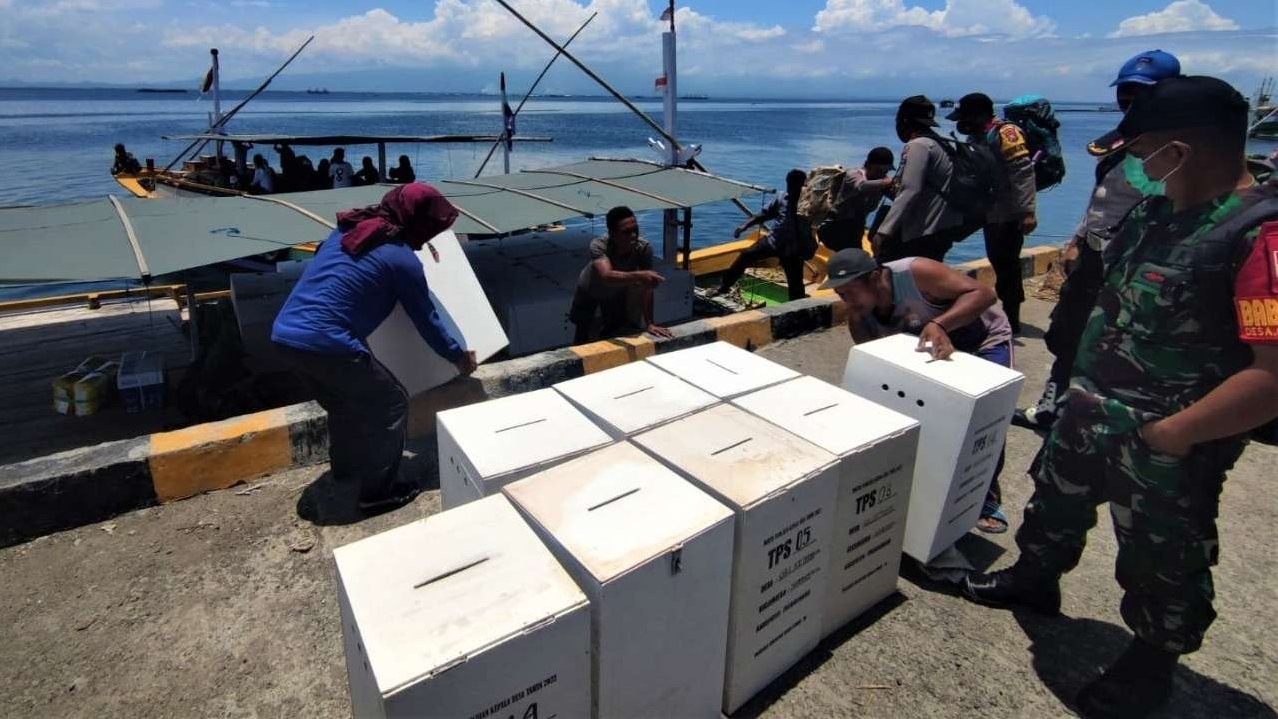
977	177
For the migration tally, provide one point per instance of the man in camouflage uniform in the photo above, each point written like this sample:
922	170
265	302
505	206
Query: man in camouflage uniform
1014	214
1176	367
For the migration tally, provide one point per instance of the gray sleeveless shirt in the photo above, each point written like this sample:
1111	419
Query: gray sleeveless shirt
911	310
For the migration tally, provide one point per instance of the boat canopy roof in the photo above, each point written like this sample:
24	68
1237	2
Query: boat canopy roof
119	237
324	140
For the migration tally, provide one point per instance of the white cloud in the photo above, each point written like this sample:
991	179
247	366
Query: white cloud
1180	16
958	18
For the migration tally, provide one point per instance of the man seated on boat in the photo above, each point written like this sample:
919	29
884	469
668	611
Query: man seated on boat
947	310
366	266
263	177
340	172
789	240
618	278
125	163
367	174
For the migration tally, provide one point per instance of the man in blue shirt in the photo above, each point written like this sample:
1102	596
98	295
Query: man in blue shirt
364	267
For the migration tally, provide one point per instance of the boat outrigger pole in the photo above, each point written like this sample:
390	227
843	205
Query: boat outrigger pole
532	88
198	145
612	91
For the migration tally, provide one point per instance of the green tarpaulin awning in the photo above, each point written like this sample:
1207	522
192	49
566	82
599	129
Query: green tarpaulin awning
131	237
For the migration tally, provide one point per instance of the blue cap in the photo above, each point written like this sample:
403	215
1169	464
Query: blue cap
1148	68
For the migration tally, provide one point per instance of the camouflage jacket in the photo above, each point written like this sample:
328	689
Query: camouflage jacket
1164	333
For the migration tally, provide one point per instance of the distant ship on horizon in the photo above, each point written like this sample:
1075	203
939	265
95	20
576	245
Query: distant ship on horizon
317	91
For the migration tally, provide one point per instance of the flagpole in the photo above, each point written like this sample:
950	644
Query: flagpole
217	99
505	127
670	225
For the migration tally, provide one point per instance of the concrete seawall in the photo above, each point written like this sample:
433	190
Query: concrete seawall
89	484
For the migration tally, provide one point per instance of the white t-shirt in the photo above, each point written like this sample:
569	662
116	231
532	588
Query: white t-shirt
263	178
342	173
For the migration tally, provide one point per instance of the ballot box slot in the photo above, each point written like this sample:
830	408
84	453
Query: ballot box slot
607	502
725	369
451	572
634	392
811	412
734	445
522	424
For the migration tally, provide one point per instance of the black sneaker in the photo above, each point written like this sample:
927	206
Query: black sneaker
1009	588
1138	684
399	494
1034	418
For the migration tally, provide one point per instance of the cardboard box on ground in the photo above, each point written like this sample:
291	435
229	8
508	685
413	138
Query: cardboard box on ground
782	490
722	369
633	398
456	293
964	406
462	614
654	555
485	446
876	448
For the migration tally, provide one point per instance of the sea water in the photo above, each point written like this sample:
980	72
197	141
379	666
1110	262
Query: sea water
57	143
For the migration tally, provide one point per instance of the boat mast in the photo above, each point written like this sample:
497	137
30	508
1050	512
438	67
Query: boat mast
216	123
670	226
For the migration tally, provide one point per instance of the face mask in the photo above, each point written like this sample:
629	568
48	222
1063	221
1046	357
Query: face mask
1134	173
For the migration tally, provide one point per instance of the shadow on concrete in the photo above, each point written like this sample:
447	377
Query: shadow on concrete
813	660
1030	332
328	502
1070	652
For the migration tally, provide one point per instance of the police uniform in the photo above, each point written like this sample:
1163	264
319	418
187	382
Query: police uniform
1174	319
1004	237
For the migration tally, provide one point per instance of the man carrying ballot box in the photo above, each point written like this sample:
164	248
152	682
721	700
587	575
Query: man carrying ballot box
947	310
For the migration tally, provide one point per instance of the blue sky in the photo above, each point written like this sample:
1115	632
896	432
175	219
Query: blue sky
810	48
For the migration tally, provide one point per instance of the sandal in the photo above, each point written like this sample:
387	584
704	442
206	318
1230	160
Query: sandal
992	521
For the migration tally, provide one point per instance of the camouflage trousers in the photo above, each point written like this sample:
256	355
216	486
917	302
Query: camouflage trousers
1164	512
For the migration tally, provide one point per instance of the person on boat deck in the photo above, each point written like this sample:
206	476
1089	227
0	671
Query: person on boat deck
367	174
618	278
287	179
403	173
340	172
788	239
303	174
263	177
862	191
945	308
125	163
323	180
366	266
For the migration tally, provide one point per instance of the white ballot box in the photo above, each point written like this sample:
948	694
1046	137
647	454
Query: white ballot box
654	556
876	448
783	492
964	405
485	446
633	397
462	614
722	369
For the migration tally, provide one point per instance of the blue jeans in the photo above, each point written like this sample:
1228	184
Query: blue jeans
999	354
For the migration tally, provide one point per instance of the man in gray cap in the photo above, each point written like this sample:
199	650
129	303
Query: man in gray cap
947	310
1177	364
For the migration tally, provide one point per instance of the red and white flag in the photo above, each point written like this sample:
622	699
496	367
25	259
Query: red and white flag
660	84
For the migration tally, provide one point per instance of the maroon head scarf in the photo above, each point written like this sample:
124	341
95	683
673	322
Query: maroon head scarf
414	213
